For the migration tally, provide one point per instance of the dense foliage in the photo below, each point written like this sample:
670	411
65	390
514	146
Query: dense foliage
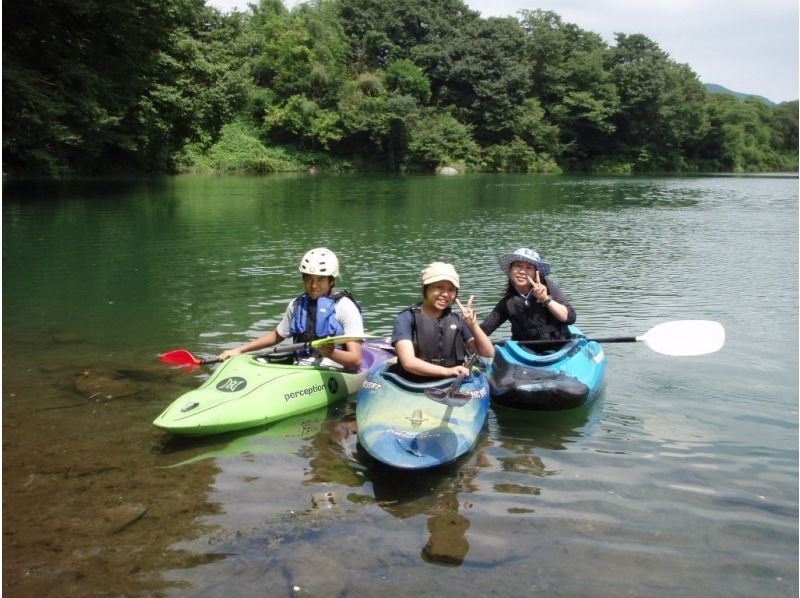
162	85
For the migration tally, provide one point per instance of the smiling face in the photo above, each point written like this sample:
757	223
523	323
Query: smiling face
440	295
518	274
317	286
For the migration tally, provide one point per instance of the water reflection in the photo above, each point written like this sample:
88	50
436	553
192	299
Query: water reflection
278	437
521	431
435	493
335	457
510	443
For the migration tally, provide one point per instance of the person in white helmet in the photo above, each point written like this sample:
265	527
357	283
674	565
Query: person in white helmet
318	313
430	339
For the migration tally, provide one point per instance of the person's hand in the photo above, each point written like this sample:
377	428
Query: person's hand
229	353
459	371
469	315
326	350
539	289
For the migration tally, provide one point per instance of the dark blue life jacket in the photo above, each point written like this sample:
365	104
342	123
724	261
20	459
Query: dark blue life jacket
437	341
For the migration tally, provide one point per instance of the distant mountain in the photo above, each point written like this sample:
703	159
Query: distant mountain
714	88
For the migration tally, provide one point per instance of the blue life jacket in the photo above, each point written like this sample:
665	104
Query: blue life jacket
315	319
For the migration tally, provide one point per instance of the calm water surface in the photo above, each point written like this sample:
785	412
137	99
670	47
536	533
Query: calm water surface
681	479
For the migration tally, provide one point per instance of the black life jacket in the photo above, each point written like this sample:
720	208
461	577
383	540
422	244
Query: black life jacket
437	341
532	321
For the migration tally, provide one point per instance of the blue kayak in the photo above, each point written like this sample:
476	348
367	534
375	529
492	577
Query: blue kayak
567	378
402	426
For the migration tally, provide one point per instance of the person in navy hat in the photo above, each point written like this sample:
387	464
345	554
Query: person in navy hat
535	306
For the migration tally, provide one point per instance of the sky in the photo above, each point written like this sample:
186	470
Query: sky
749	46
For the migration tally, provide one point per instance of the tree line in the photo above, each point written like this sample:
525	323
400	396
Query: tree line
404	85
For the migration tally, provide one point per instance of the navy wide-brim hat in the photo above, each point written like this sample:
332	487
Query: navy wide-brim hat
523	254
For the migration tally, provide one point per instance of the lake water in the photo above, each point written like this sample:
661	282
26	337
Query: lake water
681	479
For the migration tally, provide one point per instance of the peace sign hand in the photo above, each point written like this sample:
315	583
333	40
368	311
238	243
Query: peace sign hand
469	315
539	289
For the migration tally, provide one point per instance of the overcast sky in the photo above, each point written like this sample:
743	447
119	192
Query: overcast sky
750	46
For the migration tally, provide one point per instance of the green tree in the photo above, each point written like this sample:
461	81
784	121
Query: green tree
785	129
202	85
302	120
380	32
437	139
661	112
405	78
480	73
569	78
92	86
73	77
298	65
375	120
741	137
298	52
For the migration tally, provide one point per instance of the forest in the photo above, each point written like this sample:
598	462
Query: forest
92	87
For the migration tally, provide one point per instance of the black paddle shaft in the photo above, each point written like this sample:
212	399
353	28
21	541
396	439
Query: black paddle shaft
613	339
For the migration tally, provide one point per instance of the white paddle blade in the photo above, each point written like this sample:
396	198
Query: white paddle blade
684	338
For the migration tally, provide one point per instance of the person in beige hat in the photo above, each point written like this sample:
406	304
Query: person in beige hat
535	305
431	340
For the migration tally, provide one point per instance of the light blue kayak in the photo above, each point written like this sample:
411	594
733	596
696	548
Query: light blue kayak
399	425
564	379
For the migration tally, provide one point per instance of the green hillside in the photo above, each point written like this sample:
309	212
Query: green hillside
714	88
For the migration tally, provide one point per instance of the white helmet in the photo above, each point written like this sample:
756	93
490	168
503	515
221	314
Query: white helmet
320	261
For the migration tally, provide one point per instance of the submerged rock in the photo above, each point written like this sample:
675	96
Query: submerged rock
122	516
324	500
313	573
105	385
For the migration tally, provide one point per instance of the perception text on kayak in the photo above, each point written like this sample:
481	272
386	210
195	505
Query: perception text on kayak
304	392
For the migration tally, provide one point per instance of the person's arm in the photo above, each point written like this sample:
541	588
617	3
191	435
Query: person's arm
548	294
492	322
413	364
267	340
558	305
348	356
479	343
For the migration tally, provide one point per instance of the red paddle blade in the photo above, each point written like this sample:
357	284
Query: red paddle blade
179	357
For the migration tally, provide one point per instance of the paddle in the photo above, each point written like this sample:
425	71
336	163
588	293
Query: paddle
681	338
183	357
450	397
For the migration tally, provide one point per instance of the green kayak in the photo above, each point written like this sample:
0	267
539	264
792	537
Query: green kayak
245	392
